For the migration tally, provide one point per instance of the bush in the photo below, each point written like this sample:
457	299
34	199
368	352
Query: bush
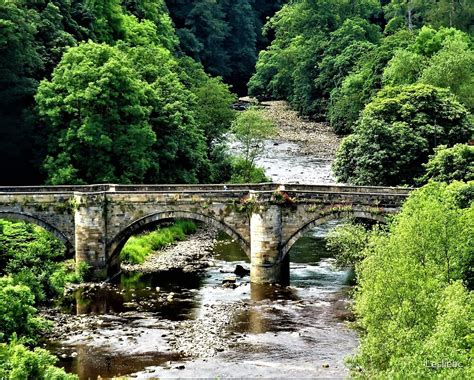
450	164
17	312
17	362
245	172
138	248
347	243
412	300
397	132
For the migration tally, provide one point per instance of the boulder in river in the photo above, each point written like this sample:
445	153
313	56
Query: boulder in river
241	271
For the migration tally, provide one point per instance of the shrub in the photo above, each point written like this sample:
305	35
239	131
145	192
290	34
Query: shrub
17	312
245	172
450	164
347	243
18	362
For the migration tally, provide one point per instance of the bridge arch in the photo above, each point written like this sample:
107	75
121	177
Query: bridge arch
286	247
117	243
20	216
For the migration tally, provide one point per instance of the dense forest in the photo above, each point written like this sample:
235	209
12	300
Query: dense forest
170	70
157	79
141	91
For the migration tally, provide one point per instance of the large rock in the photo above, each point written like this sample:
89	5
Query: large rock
241	271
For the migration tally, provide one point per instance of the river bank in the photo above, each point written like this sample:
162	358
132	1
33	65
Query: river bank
191	255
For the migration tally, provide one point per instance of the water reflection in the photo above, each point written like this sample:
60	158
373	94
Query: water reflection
302	320
140	292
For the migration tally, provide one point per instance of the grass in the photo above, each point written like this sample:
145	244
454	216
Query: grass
139	247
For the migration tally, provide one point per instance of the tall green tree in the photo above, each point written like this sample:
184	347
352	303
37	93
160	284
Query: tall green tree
108	20
397	132
250	129
240	43
20	63
93	108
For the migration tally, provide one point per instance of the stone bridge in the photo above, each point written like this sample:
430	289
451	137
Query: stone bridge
95	221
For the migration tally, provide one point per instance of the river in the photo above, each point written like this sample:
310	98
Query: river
190	325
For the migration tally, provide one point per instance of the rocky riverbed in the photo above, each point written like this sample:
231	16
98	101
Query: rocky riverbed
302	150
312	138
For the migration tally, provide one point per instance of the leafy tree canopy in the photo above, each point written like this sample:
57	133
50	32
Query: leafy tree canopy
412	300
397	132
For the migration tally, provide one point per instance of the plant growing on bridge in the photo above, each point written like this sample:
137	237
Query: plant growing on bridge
247	205
281	197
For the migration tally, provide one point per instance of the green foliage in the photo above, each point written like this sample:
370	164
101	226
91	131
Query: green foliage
17	312
153	12
450	164
397	132
223	35
250	129
213	111
317	43
358	88
108	24
94	106
412	299
33	257
17	362
347	243
442	58
245	172
137	248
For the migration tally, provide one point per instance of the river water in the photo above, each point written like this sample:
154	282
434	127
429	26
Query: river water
189	325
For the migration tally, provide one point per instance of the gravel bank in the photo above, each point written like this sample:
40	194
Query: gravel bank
313	138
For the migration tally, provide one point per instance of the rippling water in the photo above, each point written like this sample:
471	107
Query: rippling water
297	331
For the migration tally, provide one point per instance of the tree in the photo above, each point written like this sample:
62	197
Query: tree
154	12
347	243
214	99
179	154
17	312
309	37
108	20
450	164
397	132
20	62
356	90
412	299
250	129
442	58
93	107
205	21
240	43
